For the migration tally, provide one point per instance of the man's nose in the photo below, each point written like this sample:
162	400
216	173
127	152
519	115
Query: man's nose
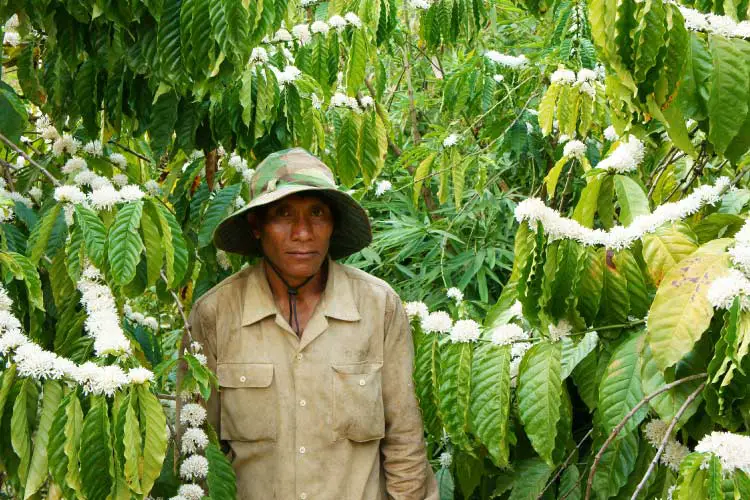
302	229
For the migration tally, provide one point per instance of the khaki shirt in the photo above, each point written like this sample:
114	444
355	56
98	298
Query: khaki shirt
331	415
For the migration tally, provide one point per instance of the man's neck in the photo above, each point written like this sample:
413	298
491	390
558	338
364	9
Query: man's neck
311	289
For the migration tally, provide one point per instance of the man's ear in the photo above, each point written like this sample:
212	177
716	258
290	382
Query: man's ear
254	222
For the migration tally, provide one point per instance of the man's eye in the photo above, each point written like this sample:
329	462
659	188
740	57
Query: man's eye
317	211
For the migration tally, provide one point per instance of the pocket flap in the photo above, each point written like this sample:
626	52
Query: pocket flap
244	374
357	368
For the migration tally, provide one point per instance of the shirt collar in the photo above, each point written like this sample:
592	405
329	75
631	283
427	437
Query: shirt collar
337	300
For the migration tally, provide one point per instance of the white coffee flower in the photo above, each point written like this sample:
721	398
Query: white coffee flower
12	340
50	133
191	492
465	330
194	440
131	192
258	55
455	294
733	450
222	259
194	467
446	459
507	334
353	19
586	75
574	149
302	33
625	158
193	415
416	310
12	38
437	322
498	78
282	36
610	134
290	74
152	187
65	144
12	23
724	290
339	100
317	103
382	187
94	148
451	140
563	76
320	27
120	179
35	193
516	310
104	198
118	160
69	194
140	375
367	102
560	330
85	178
509	61
337	22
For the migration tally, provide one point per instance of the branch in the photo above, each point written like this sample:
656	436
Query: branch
664	440
565	466
134	153
29	159
625	420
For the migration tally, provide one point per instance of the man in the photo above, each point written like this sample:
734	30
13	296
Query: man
314	358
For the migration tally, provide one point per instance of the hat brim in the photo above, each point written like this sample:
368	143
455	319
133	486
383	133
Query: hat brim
351	232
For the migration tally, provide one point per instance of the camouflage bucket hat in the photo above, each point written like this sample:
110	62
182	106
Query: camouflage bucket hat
293	171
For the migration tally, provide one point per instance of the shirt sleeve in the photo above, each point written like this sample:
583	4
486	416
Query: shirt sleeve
408	474
203	330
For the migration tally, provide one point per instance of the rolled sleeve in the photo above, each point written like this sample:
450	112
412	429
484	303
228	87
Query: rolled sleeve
407	472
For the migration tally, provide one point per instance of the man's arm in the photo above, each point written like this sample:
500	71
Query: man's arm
203	330
407	472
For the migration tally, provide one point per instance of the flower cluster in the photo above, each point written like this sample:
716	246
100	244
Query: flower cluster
140	318
416	310
733	450
383	187
674	451
102	323
585	81
35	362
451	140
341	100
574	149
194	440
625	158
506	60
611	134
437	322
712	23
518	340
455	294
420	4
533	211
465	330
735	283
560	330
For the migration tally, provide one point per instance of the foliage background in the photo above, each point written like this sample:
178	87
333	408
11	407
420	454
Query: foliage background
155	80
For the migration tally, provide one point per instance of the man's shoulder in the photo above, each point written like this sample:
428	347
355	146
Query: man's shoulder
364	280
226	288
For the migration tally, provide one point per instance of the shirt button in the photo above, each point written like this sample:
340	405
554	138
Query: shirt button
303	496
302	402
361	381
299	357
302	449
243	378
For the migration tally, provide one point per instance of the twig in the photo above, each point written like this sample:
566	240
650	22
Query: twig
565	464
625	420
29	159
134	153
169	397
664	440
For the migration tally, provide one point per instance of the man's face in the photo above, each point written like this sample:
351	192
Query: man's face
295	234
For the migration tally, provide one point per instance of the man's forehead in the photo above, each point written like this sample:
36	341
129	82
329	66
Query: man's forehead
300	199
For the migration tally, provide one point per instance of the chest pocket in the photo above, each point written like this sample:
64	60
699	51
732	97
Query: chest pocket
249	401
358	402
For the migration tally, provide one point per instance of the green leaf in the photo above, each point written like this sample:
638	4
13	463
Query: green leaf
455	390
490	399
681	312
40	235
553	175
620	389
616	465
570	485
649	37
347	140
168	41
668	403
175	247
74	253
446	486
638	295
238	30
125	243
95	452
615	301
426	367
631	198
539	396
547	108
20	433
357	61
266	99
217	209
420	174
368	149
131	441
730	91
458	173
94	234
691	482
221	480
27	272
573	352
13	115
155	439
587	203
532	475
52	394
153	244
246	96
665	247
8	377
591	284
163	119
